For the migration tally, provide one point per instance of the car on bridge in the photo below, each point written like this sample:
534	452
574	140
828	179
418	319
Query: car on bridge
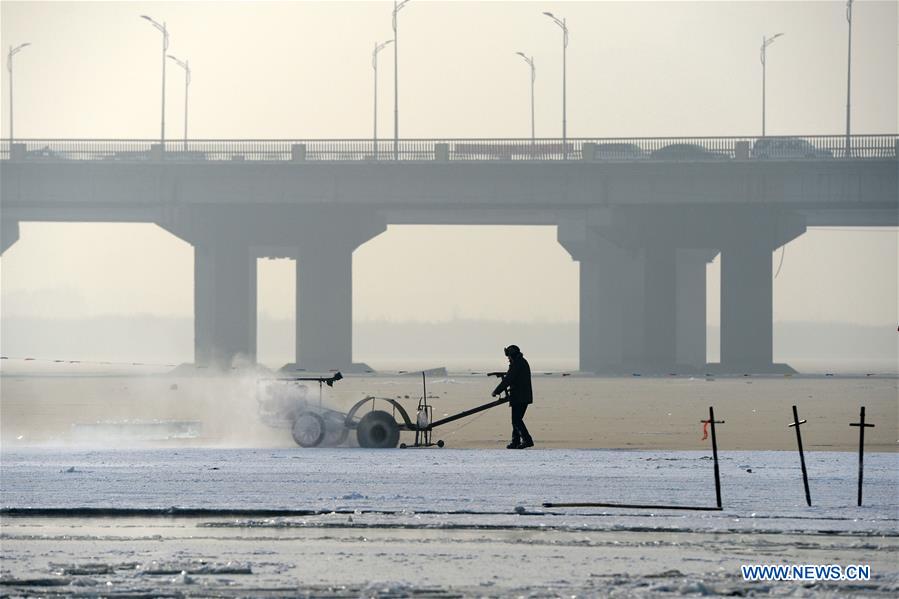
144	155
786	148
684	151
540	150
127	155
43	153
618	151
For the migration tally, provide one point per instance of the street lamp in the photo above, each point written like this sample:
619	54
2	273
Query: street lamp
848	73
186	66
561	23
165	47
397	7
530	61
766	41
374	65
12	52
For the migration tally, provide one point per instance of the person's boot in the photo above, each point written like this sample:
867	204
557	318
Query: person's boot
515	444
525	444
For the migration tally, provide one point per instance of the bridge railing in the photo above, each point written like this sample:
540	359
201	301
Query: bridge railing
817	147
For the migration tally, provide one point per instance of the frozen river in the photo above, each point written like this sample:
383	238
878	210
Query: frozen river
759	489
350	522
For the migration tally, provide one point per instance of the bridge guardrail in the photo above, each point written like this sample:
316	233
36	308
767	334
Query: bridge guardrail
817	147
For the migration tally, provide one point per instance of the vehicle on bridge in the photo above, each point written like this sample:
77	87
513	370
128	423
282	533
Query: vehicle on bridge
128	155
685	151
786	148
618	151
506	151
143	155
43	153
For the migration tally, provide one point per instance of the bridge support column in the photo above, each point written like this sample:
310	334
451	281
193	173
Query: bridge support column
747	291
642	309
746	309
224	304
324	300
691	307
674	310
611	325
324	321
659	309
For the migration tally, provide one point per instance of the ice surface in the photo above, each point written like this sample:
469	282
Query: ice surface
436	523
760	490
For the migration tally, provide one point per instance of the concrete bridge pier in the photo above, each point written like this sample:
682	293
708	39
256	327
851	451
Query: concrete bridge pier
324	308
747	309
659	309
324	293
690	335
224	303
611	326
674	309
642	303
747	294
227	243
224	283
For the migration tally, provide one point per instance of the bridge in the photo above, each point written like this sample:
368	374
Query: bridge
642	216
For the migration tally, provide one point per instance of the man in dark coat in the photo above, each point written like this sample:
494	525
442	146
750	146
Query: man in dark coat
517	381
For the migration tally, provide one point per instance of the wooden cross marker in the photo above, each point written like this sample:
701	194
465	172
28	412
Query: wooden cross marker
712	422
862	425
796	423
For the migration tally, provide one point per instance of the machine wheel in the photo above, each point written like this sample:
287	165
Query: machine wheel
308	429
336	431
378	430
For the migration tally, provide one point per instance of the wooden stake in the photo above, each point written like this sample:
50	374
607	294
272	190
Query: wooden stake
796	423
712	422
861	449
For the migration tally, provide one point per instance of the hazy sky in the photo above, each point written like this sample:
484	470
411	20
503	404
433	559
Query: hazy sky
303	70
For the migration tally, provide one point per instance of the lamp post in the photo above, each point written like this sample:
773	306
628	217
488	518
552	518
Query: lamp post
397	7
12	52
766	41
186	66
561	23
530	61
848	74
165	47
374	65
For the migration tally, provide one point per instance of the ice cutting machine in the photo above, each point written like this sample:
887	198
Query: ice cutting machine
283	403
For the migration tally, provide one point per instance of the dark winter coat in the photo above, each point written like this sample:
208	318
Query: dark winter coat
518	381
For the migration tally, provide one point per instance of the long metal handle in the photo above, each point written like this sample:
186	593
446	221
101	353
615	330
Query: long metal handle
481	408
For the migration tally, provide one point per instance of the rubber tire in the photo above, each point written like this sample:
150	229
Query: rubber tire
378	430
308	429
336	431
